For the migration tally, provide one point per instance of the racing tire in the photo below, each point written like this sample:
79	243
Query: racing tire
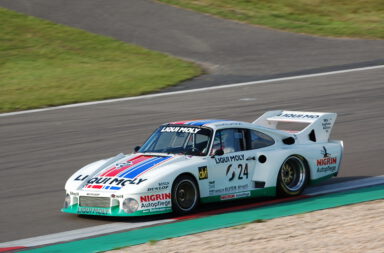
293	177
185	195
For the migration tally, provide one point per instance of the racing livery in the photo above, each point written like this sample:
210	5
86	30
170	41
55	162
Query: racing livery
186	163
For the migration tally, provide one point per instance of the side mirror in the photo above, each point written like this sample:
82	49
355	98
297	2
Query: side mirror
136	148
218	152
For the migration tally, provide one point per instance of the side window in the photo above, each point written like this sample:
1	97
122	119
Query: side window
229	140
259	140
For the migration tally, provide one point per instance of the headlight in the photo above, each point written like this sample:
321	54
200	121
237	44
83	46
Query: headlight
130	205
67	201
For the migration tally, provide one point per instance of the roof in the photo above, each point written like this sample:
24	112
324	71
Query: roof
213	123
197	122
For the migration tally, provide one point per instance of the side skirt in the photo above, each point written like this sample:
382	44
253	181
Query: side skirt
266	192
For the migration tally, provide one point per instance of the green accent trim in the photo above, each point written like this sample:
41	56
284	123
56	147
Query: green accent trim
265	192
262	192
321	179
114	211
187	227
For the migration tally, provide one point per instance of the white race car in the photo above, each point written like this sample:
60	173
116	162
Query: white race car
186	163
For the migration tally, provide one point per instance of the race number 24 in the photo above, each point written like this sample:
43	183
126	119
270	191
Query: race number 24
241	172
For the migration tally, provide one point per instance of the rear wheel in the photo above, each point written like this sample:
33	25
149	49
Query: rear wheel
185	194
293	177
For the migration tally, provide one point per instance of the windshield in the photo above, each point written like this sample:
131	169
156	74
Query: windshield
176	139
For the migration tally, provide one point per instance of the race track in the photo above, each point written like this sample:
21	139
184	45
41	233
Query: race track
39	151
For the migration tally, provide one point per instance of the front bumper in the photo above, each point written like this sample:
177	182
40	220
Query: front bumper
113	206
111	211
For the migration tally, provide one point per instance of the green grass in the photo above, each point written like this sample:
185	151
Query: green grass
335	18
45	64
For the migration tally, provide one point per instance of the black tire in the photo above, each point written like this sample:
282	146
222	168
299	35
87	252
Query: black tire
185	195
293	177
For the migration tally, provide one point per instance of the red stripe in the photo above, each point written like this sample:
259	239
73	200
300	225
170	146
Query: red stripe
246	206
12	248
97	186
183	122
178	122
114	171
111	169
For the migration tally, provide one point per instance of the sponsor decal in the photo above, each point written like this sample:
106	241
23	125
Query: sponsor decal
242	187
155	197
157	210
326	169
299	116
156	204
155	201
236	195
161	186
211	185
81	178
327	163
203	172
227	159
109	183
326	124
121	165
229	189
93	210
192	130
229	196
216	192
243	194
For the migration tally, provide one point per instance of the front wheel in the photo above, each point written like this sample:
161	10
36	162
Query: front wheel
293	177
185	195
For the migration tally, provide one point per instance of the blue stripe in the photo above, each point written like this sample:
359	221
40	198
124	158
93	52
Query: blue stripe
122	174
147	166
115	188
204	122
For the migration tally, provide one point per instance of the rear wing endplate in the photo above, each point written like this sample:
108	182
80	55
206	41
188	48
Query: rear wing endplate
318	129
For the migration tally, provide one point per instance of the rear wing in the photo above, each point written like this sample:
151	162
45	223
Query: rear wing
318	129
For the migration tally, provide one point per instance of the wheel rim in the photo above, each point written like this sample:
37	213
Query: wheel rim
293	174
186	195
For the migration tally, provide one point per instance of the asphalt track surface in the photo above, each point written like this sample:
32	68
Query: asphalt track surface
39	151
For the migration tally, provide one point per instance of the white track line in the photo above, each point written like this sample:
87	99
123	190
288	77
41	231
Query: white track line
79	233
117	226
191	91
344	186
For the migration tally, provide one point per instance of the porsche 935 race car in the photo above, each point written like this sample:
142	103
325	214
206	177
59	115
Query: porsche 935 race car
186	163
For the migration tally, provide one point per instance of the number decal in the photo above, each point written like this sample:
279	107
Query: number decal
245	173
241	171
231	172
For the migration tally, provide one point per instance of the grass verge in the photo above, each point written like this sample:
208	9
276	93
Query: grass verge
335	18
45	64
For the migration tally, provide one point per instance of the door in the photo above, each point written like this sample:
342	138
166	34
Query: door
231	172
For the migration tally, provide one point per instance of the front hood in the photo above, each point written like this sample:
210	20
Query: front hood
118	172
